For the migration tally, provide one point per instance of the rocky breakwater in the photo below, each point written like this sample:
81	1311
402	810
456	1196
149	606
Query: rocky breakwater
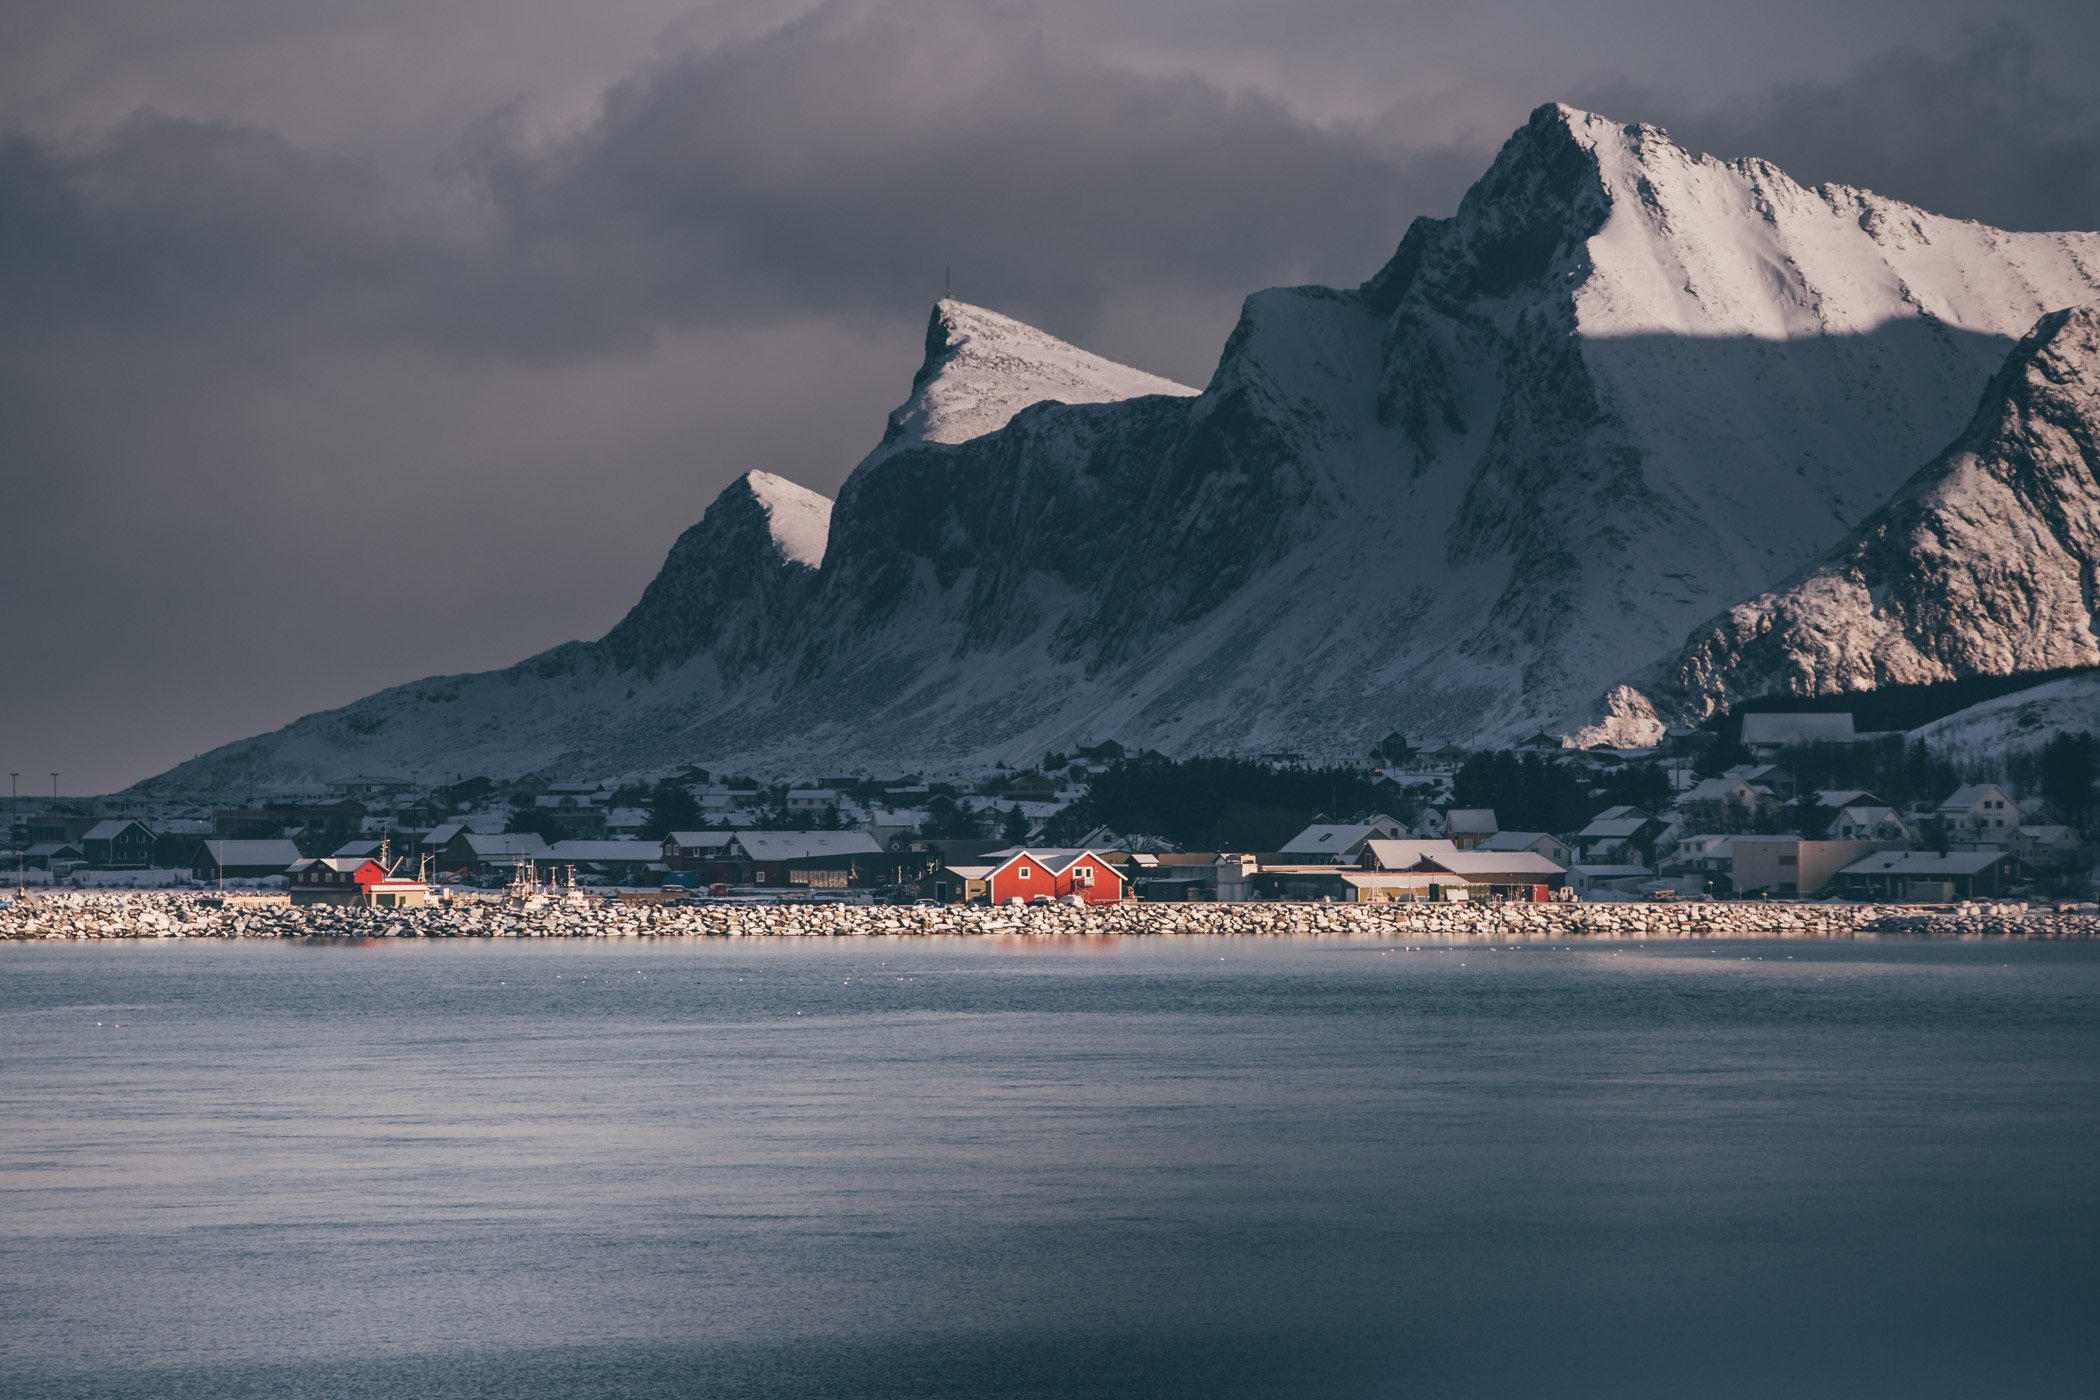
165	914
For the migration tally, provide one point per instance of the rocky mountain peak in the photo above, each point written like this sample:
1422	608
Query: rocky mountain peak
982	368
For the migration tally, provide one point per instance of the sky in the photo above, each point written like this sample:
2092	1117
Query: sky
347	343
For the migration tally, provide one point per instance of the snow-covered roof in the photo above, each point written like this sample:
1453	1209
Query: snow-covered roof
1926	863
605	852
1968	795
1614	830
342	865
1515	840
109	830
805	845
1400	853
1496	863
444	832
278	853
702	840
1332	838
1470	821
504	843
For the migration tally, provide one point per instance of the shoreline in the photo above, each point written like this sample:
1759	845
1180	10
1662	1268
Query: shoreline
78	917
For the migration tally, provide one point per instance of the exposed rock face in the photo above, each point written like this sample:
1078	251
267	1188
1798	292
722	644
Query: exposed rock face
1987	562
1622	387
732	584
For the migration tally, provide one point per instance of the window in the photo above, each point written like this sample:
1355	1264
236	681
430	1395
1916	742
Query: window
1083	875
1023	873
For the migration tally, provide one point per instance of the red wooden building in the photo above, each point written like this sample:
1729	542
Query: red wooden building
334	879
1025	874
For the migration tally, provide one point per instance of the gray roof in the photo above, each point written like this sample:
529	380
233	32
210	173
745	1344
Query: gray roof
805	845
1925	863
281	854
1329	838
703	840
108	830
504	843
605	852
1472	863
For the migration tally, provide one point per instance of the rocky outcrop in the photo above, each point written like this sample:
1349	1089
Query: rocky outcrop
1986	563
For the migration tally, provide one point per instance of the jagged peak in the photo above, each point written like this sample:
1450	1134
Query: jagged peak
799	518
981	368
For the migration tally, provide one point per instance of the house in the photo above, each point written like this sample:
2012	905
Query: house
1979	814
1539	842
1541	742
958	884
693	850
360	847
623	861
370	785
811	802
1929	876
333	879
477	853
1029	787
1618	834
244	860
817	859
2046	845
1405	854
1780	782
1512	875
1613	879
1870	820
119	843
1702	864
1339	842
1728	804
1467	827
1023	875
58	857
1788	866
580	813
1767	735
1353	885
1108	752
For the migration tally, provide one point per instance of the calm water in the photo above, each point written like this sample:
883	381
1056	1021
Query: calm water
964	1168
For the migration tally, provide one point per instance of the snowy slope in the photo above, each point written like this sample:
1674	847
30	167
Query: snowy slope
798	519
1987	562
982	368
2024	720
1621	388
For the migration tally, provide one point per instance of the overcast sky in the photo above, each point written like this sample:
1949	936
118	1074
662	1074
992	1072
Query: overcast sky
346	343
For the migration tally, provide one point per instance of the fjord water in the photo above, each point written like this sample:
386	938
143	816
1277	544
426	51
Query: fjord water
978	1168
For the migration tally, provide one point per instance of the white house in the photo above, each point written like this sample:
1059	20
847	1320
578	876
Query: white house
1979	814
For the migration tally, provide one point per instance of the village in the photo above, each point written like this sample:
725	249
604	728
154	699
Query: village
1775	825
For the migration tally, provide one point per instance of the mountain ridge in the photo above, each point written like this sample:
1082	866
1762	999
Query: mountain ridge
1621	387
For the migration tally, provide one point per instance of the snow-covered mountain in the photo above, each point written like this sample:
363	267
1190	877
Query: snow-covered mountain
1986	562
1622	387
